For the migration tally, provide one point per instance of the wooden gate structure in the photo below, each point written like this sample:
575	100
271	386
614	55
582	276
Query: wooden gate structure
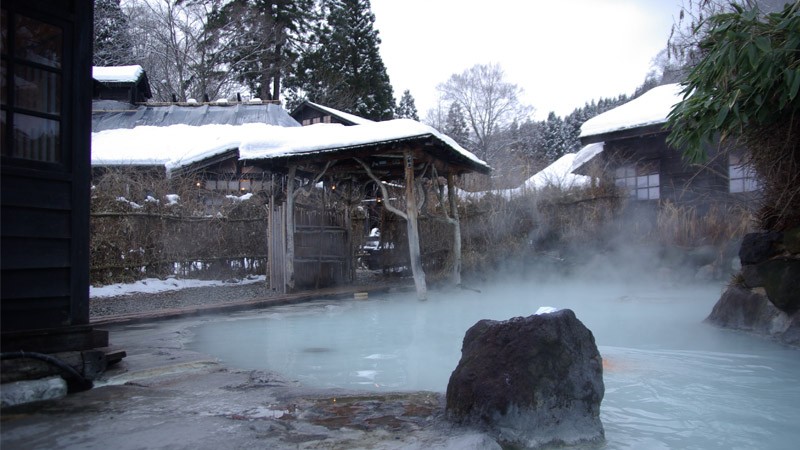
322	253
312	250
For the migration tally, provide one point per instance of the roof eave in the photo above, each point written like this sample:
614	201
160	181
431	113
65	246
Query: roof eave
626	133
464	161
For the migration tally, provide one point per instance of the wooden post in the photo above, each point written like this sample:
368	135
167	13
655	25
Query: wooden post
413	228
451	194
349	270
289	280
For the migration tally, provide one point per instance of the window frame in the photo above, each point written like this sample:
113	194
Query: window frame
641	181
745	175
11	108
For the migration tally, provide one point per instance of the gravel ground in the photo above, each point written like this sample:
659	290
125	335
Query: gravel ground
189	297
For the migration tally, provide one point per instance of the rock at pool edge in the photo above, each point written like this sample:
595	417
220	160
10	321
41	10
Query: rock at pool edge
530	381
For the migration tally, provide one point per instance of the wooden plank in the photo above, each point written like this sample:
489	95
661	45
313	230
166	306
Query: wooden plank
34	253
33	313
55	340
40	223
34	193
89	363
30	283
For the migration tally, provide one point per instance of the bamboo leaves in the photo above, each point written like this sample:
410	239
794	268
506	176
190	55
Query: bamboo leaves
750	76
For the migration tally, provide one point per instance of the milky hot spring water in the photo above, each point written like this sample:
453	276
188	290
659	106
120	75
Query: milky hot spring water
671	381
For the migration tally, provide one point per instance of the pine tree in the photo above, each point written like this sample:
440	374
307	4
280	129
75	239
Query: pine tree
112	39
406	109
555	138
345	69
456	126
260	40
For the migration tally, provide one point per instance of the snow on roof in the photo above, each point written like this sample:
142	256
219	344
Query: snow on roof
558	175
650	109
117	74
347	116
586	154
321	138
172	146
176	146
106	117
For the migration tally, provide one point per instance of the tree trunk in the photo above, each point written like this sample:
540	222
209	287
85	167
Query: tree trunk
413	229
451	194
290	229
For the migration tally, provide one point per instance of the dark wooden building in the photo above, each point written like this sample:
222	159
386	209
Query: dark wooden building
309	113
123	83
46	124
627	145
157	149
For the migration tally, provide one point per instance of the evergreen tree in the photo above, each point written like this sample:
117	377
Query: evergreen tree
555	137
406	109
345	69
112	39
530	140
456	126
260	40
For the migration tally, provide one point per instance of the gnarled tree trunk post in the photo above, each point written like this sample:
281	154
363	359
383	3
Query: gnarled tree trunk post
289	278
451	196
412	227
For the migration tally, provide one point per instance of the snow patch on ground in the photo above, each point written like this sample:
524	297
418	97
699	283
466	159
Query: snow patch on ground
156	285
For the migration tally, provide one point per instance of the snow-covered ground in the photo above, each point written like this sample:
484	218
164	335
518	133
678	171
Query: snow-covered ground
156	285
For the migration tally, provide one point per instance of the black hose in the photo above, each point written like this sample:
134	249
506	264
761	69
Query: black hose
75	381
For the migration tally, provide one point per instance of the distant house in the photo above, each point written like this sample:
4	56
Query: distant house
121	83
628	145
309	113
190	138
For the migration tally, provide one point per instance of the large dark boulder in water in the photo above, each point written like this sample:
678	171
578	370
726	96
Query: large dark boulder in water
758	247
530	381
781	280
750	310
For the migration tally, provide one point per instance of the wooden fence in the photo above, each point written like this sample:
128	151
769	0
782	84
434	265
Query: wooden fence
127	246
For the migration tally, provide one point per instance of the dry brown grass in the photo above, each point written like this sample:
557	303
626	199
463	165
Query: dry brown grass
134	238
685	226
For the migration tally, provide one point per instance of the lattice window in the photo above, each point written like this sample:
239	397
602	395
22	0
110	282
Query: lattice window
32	55
641	181
742	178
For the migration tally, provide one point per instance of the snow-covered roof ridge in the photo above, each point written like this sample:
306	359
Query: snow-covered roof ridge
557	175
651	108
172	146
347	116
320	138
117	74
177	146
586	154
157	115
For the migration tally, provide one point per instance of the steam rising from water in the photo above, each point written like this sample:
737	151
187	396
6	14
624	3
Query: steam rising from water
671	381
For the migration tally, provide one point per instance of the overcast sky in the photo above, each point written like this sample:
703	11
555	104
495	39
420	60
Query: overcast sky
563	53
